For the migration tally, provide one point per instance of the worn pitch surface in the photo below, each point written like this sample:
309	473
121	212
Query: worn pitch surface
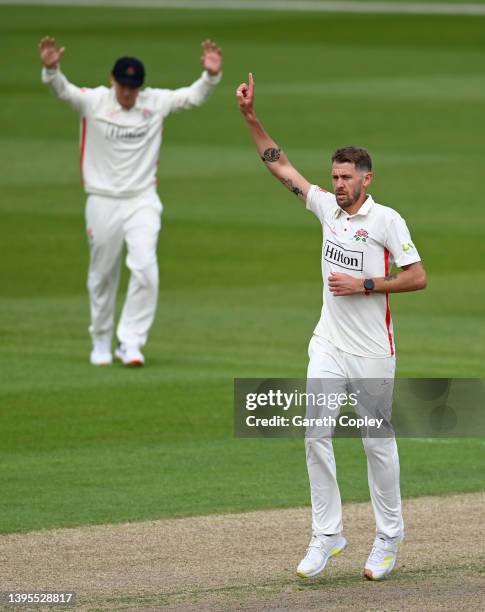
248	561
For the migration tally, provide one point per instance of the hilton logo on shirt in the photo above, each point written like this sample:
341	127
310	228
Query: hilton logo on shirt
115	132
350	260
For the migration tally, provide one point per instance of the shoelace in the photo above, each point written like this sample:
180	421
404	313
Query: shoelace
378	554
317	543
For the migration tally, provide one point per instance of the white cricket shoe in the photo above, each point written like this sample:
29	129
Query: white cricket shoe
382	558
101	353
320	550
129	355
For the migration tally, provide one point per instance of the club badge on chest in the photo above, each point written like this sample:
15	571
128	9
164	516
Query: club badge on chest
361	235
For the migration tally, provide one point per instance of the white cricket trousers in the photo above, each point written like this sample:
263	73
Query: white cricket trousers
329	362
109	223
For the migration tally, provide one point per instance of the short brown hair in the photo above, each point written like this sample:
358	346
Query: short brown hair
353	155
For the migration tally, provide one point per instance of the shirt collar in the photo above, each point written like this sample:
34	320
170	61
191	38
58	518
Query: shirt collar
363	210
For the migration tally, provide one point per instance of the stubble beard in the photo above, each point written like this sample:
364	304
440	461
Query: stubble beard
349	201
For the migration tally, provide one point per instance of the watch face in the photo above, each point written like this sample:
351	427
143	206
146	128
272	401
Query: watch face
368	284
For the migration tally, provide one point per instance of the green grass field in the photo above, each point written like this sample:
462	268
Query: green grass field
239	256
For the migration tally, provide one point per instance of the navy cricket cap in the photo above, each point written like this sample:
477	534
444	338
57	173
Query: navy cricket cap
129	71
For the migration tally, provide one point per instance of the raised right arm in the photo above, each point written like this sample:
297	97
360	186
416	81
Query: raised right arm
274	158
52	76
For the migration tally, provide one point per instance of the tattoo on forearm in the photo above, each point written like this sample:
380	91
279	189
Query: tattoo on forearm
271	155
390	277
288	183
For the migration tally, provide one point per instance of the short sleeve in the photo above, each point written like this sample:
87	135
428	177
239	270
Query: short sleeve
320	202
399	243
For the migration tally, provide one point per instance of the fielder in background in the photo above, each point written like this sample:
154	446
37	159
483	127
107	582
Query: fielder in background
354	336
121	132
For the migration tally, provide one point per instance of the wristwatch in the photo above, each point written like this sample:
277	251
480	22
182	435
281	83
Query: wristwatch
369	285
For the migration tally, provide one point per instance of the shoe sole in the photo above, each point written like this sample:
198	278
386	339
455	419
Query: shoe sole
101	363
135	363
368	575
333	553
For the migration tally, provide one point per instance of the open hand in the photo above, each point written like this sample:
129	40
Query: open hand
245	95
344	284
211	57
50	56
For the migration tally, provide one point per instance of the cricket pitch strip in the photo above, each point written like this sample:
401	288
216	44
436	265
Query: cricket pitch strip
247	561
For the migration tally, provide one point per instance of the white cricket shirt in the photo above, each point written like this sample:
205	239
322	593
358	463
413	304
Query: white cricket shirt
120	148
363	245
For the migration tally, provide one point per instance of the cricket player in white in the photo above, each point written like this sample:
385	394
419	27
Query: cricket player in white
121	133
354	338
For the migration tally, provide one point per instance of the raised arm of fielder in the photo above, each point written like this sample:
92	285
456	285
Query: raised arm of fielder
274	158
50	56
174	100
184	98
